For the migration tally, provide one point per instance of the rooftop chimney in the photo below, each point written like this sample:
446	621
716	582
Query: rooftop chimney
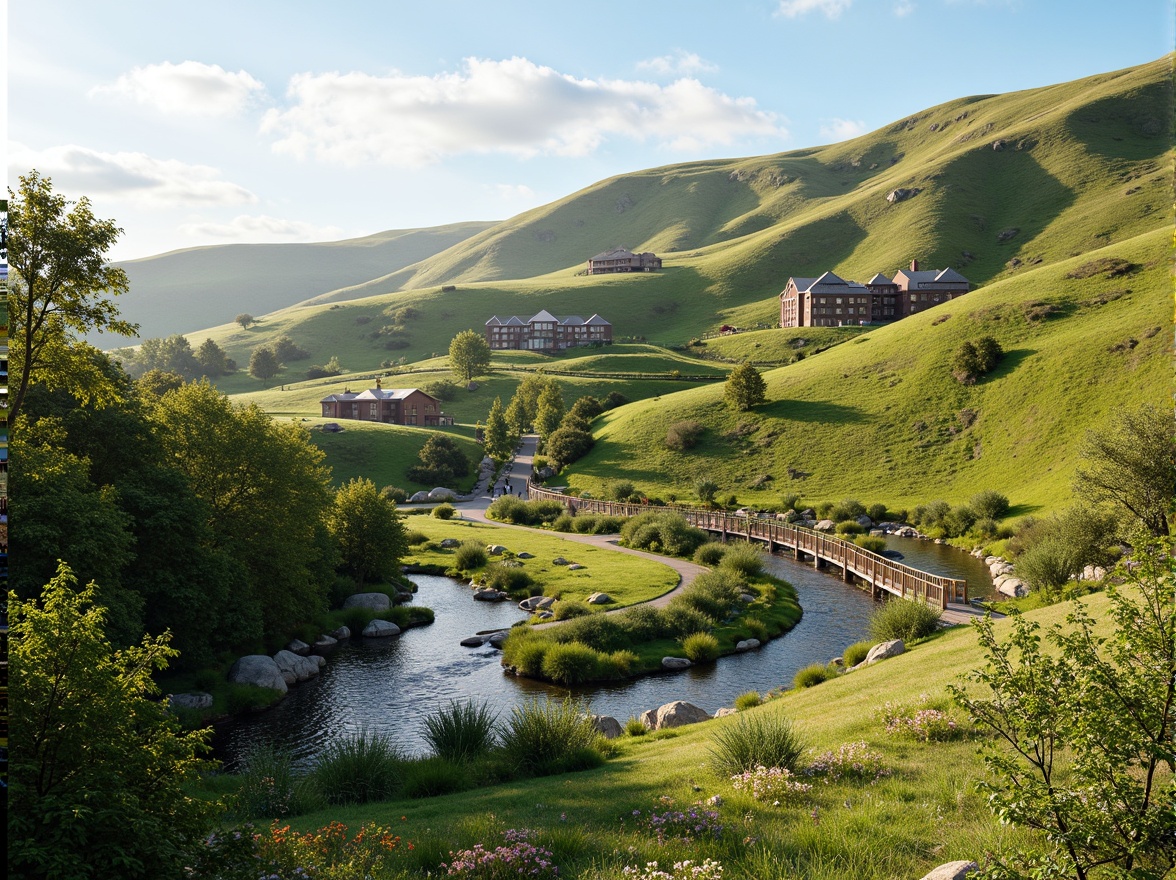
378	383
914	265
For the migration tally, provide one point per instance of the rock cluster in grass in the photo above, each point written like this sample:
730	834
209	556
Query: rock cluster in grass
675	714
1004	578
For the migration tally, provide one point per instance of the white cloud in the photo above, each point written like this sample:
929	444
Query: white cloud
903	8
797	8
842	129
512	192
132	176
680	63
263	228
186	89
513	106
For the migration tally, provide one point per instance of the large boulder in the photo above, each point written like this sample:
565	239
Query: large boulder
297	646
324	643
725	711
196	702
559	560
649	719
473	641
1010	586
825	525
952	871
607	726
575	566
441	494
258	670
374	601
495	549
679	713
746	645
496	639
295	668
419	497
599	598
380	629
885	650
485	594
450	543
343	632
675	663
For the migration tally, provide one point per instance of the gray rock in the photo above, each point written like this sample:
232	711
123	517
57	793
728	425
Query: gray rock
526	555
295	668
545	602
1093	573
746	598
487	595
546	615
559	560
419	497
441	494
374	601
902	194
259	671
531	603
676	663
725	711
298	647
952	871
380	629
679	713
495	640
196	701
450	543
649	719
473	642
575	566
864	521
600	599
495	549
885	650
1012	587
343	632
325	643
825	525
607	726
746	645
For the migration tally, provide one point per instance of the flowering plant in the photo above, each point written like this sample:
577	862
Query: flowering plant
326	854
688	825
922	722
687	870
771	784
519	857
854	761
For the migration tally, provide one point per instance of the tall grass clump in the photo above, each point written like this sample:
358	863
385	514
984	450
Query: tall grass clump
856	653
509	580
524	650
812	675
701	648
363	768
903	619
469	555
570	663
710	553
551	736
444	511
755	740
462	731
270	788
743	559
748	700
870	542
712	594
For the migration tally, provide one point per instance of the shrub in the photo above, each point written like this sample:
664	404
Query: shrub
444	511
414	539
903	619
565	522
748	700
876	512
461	731
850	528
701	648
570	663
394	493
923	722
511	509
470	555
567	609
642	623
635	727
682	620
853	761
744	559
771	784
599	631
757	628
433	777
683	435
617	664
509	580
269	787
710	553
856	653
620	491
608	525
849	509
524	652
870	542
366	767
755	740
712	594
551	736
584	524
990	504
811	675
662	531
790	501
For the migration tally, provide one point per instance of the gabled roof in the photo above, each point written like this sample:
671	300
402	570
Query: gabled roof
597	321
618	253
544	315
950	274
515	321
572	321
830	278
801	284
879	279
342	397
493	322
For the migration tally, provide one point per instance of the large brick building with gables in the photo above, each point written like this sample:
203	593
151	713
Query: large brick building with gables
393	406
546	332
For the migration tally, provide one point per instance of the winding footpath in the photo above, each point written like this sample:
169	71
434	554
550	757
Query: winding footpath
517	481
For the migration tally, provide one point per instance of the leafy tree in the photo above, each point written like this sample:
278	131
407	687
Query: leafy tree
1131	464
990	504
1084	732
989	352
264	364
524	405
159	382
98	767
975	359
516	416
171	355
568	443
705	488
441	462
587	408
1056	550
368	531
61	287
286	350
744	388
244	319
212	359
469	355
497	439
551	410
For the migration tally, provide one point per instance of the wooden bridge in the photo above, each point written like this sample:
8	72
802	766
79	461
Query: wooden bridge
856	564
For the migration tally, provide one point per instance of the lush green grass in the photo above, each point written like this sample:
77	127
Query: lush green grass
928	811
626	578
773	347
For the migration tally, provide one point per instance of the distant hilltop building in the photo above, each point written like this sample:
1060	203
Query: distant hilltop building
830	301
393	406
546	332
622	260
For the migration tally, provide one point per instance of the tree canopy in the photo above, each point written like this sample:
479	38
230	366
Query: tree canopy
498	440
264	364
469	355
745	388
368	531
441	462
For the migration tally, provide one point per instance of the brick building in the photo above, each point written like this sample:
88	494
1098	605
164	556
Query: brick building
830	301
622	260
546	332
393	406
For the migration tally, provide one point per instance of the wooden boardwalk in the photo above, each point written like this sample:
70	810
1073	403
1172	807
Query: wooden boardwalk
852	563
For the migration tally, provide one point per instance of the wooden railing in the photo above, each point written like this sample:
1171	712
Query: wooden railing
854	561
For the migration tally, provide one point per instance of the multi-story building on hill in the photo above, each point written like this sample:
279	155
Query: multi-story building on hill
394	406
546	332
622	260
830	301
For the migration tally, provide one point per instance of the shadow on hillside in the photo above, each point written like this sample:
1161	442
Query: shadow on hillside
822	411
1022	510
1011	360
1135	126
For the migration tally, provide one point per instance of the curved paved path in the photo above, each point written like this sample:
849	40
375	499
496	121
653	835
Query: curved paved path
516	482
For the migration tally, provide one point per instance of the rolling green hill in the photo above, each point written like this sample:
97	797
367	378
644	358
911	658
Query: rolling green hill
184	290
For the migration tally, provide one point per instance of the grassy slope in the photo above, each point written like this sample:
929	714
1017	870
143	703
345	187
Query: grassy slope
181	290
928	812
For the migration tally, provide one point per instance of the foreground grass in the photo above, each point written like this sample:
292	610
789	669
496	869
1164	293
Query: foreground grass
625	577
926	812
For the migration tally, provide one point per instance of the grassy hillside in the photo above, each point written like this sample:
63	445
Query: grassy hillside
184	290
882	419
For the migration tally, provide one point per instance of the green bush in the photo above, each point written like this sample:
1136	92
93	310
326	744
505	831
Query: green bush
712	594
600	631
444	511
748	700
551	736
511	509
643	623
856	653
990	504
608	525
469	556
701	648
662	532
395	494
745	559
849	509
684	435
813	674
870	542
567	609
682	620
270	788
363	768
515	581
757	628
710	553
415	539
584	523
461	731
570	663
433	777
565	522
634	727
617	664
903	619
620	491
755	740
876	512
524	651
850	528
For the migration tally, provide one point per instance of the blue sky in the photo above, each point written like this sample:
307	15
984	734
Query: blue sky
213	122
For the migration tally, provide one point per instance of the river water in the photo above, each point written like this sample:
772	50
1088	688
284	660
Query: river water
390	686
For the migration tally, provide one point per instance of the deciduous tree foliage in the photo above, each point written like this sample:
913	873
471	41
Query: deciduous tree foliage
98	766
497	438
441	462
1084	747
264	364
213	360
61	287
744	388
244	319
368	531
469	355
550	410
